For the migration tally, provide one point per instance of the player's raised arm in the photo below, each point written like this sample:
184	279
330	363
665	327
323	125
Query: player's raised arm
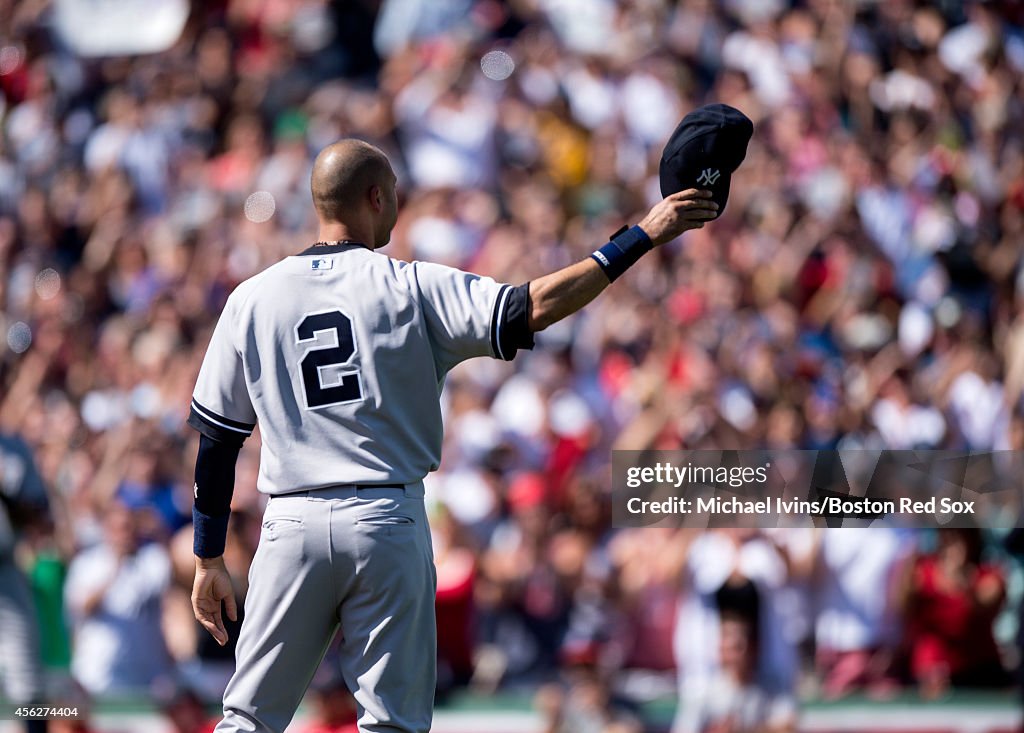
695	172
562	293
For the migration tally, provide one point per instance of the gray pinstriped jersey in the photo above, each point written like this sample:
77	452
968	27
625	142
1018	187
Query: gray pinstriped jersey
340	354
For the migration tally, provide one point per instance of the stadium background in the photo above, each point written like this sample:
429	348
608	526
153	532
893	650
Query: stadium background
863	288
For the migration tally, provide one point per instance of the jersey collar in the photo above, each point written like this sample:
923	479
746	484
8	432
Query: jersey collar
329	249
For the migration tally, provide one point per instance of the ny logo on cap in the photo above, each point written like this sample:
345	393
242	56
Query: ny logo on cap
709	176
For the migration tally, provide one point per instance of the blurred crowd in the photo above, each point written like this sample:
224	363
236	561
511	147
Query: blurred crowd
862	289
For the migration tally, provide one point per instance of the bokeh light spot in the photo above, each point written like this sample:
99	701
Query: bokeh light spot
19	337
497	65
10	59
48	283
260	206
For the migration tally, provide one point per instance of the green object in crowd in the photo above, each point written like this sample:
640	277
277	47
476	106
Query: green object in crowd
47	580
291	125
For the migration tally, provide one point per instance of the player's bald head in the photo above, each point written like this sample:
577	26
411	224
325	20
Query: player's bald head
343	175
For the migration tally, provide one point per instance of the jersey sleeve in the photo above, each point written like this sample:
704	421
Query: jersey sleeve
466	314
221	408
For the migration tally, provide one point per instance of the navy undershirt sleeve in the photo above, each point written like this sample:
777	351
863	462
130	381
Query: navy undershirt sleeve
513	331
215	483
509	325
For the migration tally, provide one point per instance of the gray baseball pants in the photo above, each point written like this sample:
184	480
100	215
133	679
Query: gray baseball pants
358	559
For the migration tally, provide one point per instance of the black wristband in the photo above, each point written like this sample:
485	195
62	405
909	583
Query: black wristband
209	534
622	252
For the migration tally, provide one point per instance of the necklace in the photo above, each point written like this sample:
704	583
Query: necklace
337	241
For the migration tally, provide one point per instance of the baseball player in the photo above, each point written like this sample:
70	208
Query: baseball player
340	354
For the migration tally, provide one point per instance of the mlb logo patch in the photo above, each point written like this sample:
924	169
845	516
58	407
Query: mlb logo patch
322	264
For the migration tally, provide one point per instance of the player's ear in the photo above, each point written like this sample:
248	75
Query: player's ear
376	198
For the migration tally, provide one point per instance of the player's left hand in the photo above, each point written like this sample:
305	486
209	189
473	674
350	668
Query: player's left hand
213	585
677	213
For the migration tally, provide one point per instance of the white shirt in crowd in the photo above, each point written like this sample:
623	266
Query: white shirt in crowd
855	604
119	647
712	558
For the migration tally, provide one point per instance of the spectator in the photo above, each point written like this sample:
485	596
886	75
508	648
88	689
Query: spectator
334	707
861	573
648	568
114	595
456	575
733	701
584	704
727	637
530	600
182	708
954	598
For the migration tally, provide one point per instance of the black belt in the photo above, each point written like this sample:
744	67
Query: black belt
357	487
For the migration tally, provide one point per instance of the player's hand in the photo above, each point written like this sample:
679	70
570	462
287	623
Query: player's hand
213	585
678	213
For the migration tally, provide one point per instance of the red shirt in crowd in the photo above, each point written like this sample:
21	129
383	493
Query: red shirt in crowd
949	628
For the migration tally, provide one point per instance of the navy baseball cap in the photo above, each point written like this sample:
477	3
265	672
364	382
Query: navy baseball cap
709	144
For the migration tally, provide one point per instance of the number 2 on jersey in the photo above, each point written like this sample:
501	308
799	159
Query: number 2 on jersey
318	358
